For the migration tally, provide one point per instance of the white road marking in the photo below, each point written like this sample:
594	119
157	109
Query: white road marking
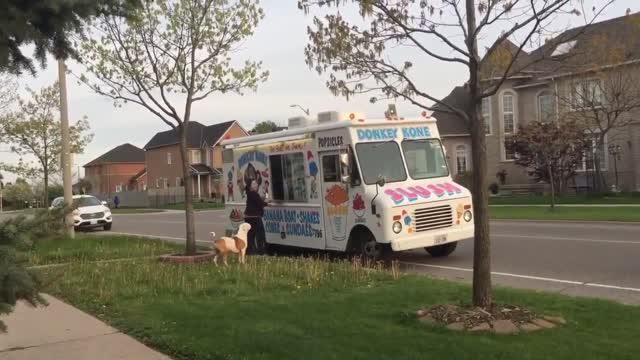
529	277
498	235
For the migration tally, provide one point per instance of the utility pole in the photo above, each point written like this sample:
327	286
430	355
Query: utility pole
66	148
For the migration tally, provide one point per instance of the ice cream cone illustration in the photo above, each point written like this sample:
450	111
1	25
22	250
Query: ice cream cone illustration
337	196
358	206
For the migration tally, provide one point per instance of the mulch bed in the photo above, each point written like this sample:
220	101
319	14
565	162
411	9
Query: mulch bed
500	318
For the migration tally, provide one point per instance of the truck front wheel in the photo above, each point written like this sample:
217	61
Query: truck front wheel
366	246
442	250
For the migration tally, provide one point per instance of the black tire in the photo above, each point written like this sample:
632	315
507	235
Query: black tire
372	251
442	250
107	227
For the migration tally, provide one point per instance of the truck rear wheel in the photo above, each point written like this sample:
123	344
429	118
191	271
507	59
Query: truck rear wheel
442	250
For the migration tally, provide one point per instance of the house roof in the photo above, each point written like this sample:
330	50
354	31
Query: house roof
139	174
198	134
125	153
448	123
199	169
608	42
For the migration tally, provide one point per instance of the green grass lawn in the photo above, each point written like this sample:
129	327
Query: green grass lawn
196	206
94	247
622	198
286	308
134	211
628	214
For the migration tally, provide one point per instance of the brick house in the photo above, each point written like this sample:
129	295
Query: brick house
119	169
549	84
162	156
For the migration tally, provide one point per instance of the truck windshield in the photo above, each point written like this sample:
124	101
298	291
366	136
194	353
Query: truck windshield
425	158
381	159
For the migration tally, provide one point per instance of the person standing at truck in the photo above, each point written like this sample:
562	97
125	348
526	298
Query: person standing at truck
253	213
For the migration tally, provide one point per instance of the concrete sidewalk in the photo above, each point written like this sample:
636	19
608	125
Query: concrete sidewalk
60	331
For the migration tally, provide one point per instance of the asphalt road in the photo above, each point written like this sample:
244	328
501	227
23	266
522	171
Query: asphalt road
584	259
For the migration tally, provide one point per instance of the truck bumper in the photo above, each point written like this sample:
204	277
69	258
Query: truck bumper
432	238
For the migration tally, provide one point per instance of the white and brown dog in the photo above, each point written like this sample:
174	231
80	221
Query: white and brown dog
236	244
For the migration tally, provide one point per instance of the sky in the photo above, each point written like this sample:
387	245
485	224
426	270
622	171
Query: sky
279	43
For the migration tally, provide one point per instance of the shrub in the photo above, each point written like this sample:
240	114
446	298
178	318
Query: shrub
22	232
494	188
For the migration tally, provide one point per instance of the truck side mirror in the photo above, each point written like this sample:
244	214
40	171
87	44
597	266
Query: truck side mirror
344	159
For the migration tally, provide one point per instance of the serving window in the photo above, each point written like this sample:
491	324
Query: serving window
288	177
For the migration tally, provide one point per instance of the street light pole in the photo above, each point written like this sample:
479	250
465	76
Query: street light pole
66	148
306	111
615	151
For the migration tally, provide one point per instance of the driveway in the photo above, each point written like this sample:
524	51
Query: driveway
586	259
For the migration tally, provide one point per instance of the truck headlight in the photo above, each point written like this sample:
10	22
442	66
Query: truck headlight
397	227
468	216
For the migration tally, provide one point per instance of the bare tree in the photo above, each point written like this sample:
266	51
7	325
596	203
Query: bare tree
360	59
34	130
169	55
604	102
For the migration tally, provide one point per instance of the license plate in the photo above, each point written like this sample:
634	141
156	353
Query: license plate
93	222
439	239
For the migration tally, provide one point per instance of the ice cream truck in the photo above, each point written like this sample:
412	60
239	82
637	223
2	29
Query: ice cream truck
351	184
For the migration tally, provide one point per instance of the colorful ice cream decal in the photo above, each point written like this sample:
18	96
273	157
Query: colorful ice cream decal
313	173
336	197
359	208
406	218
412	193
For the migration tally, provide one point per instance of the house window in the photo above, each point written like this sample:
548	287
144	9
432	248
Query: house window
486	114
586	94
461	159
168	158
546	107
194	156
144	186
209	157
288	177
594	152
119	188
178	181
509	122
157	183
165	183
508	114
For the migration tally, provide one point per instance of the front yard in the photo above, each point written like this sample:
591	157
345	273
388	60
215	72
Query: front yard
626	214
292	308
610	199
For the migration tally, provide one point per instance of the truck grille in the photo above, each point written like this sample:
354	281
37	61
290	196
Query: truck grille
436	217
92	216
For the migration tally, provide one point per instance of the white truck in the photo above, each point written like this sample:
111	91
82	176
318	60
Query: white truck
347	183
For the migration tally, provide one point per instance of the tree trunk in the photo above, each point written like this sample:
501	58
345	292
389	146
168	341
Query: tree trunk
45	200
482	292
553	187
188	192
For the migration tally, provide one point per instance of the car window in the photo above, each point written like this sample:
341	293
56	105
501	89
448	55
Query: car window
86	201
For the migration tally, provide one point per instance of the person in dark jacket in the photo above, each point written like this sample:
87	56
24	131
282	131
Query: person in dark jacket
253	215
